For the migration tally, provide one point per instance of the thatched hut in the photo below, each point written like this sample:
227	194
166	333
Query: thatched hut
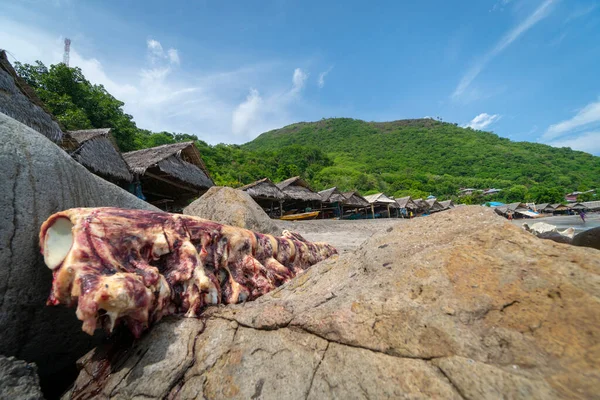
544	208
354	205
592	205
267	195
331	202
407	206
560	208
422	206
170	175
19	101
97	151
447	204
381	205
301	197
434	205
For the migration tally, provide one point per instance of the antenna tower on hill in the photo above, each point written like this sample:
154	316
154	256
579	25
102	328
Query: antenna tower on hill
67	50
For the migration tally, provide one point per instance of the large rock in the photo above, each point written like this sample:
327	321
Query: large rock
461	304
589	238
19	380
232	207
38	179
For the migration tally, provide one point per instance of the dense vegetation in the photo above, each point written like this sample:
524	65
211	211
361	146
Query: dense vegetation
408	157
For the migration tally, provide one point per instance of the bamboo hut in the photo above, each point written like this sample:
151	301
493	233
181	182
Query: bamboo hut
434	205
544	208
300	197
592	205
517	210
354	205
422	206
267	195
97	151
169	175
20	102
560	208
407	206
382	205
447	204
331	203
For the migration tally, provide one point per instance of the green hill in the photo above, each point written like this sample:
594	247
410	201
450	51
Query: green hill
424	156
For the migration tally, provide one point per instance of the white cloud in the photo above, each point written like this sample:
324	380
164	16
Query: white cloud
482	121
299	80
540	13
246	113
157	53
162	97
499	6
588	115
580	12
322	75
173	56
259	114
587	141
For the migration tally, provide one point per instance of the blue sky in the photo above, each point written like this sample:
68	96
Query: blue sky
228	71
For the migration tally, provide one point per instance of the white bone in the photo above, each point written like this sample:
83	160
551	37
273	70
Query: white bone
58	242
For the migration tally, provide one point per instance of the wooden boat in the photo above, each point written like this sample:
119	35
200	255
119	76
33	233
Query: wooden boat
301	216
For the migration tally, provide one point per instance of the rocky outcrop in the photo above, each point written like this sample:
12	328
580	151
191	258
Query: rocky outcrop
232	207
589	238
19	380
38	179
461	304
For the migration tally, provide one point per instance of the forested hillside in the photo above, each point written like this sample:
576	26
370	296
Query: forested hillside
407	157
425	156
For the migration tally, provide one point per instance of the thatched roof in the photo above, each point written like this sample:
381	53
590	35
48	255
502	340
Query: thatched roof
180	160
98	152
263	189
332	195
592	205
19	101
422	204
406	202
297	188
447	204
544	207
434	205
380	198
354	199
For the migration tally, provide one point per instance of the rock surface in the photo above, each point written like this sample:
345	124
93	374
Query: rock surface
589	238
232	207
19	380
461	304
38	179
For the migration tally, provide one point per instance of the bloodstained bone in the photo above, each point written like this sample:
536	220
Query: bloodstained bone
137	266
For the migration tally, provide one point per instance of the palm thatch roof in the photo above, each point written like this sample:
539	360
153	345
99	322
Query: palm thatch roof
332	195
381	199
264	189
406	202
592	205
544	207
19	101
422	204
434	205
180	160
97	151
447	204
297	188
354	199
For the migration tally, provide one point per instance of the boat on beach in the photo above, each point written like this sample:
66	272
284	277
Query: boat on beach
301	216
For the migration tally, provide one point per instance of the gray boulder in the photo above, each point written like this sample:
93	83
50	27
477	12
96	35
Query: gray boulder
19	380
38	179
589	238
232	207
461	304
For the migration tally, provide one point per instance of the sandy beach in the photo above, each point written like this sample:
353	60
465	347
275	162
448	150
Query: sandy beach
592	220
345	235
348	235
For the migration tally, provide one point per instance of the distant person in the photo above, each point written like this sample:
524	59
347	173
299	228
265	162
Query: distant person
411	215
510	216
582	215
